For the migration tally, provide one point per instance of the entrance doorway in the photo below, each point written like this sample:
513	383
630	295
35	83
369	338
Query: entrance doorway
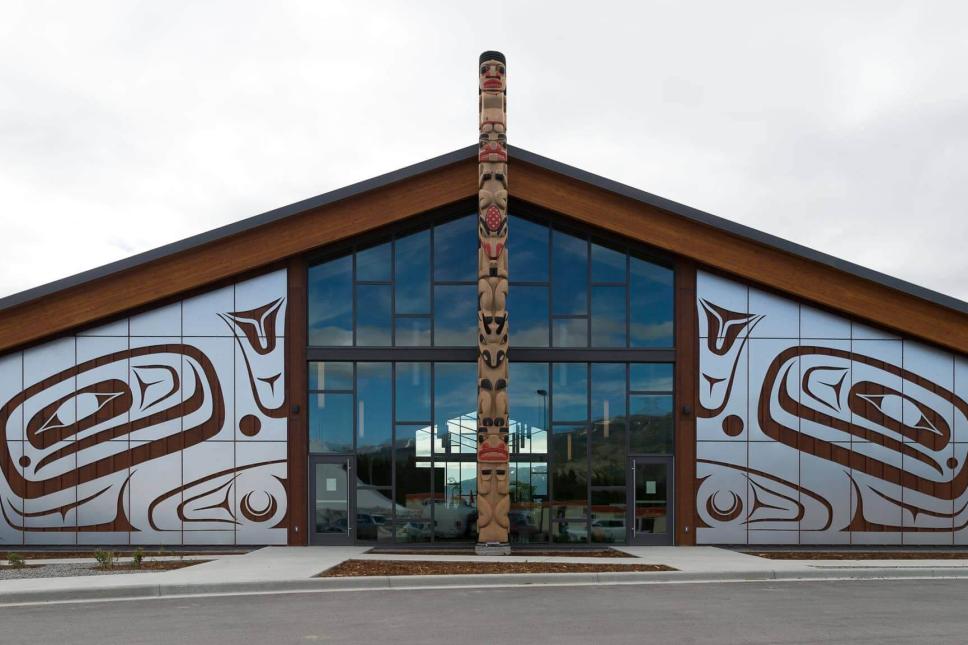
650	506
331	516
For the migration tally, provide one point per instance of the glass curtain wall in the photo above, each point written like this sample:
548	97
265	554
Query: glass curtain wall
409	414
419	289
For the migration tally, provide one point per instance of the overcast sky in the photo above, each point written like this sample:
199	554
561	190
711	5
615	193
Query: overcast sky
128	125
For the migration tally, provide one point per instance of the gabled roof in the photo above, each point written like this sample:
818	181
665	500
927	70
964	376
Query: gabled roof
277	235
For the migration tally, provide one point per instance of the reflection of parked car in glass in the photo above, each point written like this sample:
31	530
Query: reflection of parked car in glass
575	532
452	519
608	531
329	519
371	526
330	523
522	526
366	527
414	531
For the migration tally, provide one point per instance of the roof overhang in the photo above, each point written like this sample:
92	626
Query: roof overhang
275	236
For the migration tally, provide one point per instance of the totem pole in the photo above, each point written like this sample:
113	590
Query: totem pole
493	501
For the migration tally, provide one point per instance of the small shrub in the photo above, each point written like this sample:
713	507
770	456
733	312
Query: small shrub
138	556
105	559
16	560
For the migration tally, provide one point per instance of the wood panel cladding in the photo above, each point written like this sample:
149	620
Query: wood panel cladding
296	382
686	402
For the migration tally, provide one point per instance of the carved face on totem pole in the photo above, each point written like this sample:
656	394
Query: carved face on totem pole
493	147
493	75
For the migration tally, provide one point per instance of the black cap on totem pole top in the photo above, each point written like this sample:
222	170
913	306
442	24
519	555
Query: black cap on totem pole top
491	55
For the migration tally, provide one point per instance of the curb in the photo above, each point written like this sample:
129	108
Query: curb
144	591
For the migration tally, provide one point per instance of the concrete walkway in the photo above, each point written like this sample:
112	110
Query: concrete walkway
277	569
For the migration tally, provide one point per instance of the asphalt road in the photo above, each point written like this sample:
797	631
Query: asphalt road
889	611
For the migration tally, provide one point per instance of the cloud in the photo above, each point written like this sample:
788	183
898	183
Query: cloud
124	126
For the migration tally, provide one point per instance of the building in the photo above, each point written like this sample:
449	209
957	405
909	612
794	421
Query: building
309	376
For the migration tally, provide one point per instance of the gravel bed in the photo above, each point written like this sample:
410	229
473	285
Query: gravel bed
438	568
524	553
68	570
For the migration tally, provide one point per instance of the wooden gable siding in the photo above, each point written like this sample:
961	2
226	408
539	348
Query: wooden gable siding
710	247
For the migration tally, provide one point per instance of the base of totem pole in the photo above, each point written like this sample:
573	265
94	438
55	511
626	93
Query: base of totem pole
492	548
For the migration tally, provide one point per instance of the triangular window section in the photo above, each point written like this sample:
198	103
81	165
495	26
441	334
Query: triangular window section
417	287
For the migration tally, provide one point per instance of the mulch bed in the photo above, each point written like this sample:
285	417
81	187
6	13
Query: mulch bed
52	555
860	555
154	565
524	553
434	568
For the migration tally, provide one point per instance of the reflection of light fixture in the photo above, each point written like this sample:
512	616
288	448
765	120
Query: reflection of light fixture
605	413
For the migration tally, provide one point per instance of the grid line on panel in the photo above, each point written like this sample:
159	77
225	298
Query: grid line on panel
904	493
127	435
23	421
799	429
76	509
954	455
235	427
853	495
181	425
749	421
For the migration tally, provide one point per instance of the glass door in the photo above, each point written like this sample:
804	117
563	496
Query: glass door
331	516
651	520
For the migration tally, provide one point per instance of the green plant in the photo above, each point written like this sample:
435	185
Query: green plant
105	559
16	560
138	556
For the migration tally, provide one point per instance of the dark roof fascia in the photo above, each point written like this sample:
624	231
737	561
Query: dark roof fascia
740	230
235	228
463	154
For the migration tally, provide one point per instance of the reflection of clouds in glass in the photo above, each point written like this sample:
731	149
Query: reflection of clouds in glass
455	315
534	335
373	316
570	406
528	245
654	377
608	265
455	249
412	273
570	332
372	336
412	332
374	263
608	390
647	272
608	332
569	274
654	332
333	335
